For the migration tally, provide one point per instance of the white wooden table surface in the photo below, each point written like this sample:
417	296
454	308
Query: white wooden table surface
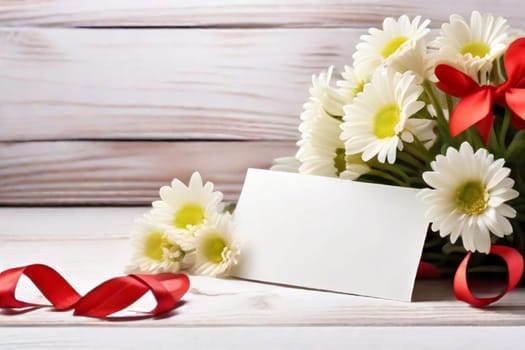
89	245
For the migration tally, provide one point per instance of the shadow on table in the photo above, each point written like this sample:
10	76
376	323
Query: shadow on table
442	290
138	317
433	290
145	316
14	312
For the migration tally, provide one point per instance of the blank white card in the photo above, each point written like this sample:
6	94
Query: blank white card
329	234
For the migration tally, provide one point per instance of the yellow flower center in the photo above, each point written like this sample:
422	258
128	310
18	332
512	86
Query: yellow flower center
393	45
355	159
359	88
471	198
189	214
476	48
385	121
155	245
212	247
339	161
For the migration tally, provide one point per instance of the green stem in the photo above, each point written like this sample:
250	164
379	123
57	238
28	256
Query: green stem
450	104
391	169
418	150
417	182
493	144
504	128
409	171
440	118
450	249
422	114
409	158
387	177
474	138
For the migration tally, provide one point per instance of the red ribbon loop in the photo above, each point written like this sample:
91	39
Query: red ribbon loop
475	106
514	262
107	298
118	293
515	64
168	290
52	285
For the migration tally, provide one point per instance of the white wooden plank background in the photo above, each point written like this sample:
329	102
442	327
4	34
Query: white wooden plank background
167	84
211	70
234	13
123	172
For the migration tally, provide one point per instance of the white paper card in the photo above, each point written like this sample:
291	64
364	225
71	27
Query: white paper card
329	234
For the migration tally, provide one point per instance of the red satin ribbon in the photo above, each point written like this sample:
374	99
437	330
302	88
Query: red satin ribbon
107	298
514	262
475	107
427	270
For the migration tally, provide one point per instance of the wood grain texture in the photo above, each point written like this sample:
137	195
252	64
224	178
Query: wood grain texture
125	337
110	222
212	13
161	84
88	259
123	172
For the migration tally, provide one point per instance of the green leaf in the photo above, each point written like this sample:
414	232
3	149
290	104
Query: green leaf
516	149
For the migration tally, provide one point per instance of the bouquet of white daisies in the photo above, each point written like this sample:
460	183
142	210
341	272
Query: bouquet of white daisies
187	229
444	114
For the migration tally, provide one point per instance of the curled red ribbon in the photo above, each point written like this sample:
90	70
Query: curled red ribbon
475	106
514	262
107	298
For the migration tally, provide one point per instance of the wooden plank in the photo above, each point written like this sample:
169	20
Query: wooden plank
212	13
161	84
110	222
87	260
256	338
123	172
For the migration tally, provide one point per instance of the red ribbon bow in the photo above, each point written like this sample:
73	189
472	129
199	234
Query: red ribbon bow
514	262
107	298
475	107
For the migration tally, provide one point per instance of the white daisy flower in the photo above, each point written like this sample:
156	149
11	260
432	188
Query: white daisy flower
353	82
468	196
288	164
377	122
186	208
417	60
321	152
473	47
323	98
157	247
383	46
216	252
